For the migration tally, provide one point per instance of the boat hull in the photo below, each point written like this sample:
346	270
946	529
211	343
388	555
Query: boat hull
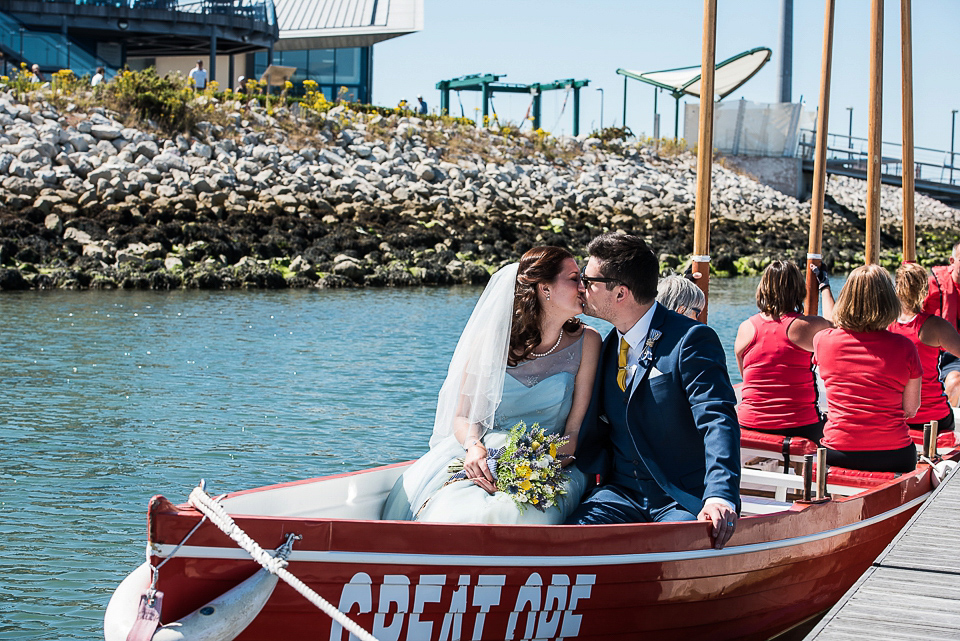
439	581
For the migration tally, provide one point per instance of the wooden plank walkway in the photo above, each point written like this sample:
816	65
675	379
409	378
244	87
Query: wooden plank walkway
912	590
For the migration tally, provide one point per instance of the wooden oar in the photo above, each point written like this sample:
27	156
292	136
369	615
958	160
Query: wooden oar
906	61
701	228
874	148
814	248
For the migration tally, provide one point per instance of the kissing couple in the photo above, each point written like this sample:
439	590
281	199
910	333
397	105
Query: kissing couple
648	414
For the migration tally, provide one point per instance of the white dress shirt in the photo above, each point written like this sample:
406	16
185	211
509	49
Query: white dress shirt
636	336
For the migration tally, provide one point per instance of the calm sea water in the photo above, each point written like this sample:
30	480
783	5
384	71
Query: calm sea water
107	398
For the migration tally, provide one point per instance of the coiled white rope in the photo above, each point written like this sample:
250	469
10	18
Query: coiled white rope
275	565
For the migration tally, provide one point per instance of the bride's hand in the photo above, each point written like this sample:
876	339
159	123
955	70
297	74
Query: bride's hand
475	465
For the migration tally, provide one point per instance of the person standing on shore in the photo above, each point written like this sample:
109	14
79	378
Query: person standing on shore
199	76
943	300
662	424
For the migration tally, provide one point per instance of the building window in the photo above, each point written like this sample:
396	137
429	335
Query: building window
332	69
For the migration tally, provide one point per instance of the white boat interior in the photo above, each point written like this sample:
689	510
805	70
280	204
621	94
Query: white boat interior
361	496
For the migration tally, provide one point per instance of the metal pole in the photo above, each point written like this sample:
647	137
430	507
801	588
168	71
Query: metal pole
486	104
213	55
625	103
875	123
850	134
676	115
576	111
656	116
953	130
786	51
600	89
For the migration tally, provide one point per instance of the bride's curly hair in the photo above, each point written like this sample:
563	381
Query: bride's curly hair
538	265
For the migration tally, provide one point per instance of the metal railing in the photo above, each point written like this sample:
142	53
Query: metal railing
934	165
259	10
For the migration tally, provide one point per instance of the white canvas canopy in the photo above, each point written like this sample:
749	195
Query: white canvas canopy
729	75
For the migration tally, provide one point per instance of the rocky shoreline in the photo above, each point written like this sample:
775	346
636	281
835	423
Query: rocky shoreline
291	198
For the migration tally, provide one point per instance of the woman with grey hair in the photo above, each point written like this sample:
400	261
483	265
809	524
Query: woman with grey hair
680	295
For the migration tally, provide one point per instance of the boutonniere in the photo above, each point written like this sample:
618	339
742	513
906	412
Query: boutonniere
646	354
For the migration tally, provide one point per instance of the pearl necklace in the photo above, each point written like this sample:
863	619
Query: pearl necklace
552	349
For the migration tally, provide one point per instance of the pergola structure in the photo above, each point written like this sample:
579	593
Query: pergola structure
730	75
488	84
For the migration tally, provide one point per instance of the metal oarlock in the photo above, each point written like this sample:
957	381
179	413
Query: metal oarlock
807	477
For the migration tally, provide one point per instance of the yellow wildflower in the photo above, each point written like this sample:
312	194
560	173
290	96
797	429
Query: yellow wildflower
553	450
525	485
523	471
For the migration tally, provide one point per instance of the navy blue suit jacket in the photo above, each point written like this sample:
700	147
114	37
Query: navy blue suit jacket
683	421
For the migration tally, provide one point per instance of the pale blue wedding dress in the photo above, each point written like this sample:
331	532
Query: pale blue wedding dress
536	391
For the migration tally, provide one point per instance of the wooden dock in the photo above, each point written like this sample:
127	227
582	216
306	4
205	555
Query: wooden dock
912	590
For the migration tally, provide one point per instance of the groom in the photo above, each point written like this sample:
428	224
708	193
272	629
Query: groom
661	427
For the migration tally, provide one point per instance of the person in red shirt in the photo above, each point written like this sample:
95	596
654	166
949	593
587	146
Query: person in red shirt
774	349
943	300
872	378
929	334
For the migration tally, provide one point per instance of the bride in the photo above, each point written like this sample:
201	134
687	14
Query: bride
523	356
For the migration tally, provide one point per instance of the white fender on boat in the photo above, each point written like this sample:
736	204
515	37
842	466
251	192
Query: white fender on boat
941	470
225	617
222	619
124	604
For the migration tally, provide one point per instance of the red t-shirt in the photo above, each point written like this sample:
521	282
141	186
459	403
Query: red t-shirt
865	374
933	401
779	389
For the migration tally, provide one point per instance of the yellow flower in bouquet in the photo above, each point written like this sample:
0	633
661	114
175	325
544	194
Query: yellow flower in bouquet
527	468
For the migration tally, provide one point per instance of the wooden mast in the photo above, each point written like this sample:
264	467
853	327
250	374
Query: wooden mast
875	121
814	248
906	60
701	229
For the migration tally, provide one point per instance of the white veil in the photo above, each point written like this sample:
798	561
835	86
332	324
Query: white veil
474	384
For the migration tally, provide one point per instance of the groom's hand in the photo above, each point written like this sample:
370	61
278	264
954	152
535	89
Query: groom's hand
724	521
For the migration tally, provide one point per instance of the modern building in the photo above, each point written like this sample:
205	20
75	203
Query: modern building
328	41
331	41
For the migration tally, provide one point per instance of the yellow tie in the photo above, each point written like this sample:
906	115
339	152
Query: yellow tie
622	364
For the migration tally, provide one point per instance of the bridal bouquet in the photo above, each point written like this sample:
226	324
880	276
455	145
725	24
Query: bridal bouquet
527	468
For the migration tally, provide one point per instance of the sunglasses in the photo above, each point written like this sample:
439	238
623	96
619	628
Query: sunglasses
587	280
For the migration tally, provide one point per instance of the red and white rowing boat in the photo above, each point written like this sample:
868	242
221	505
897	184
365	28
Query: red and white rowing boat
788	561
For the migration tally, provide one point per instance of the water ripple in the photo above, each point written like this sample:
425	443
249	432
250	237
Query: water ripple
112	397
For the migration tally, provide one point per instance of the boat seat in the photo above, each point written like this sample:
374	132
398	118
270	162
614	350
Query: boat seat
779	450
858	478
780	484
760	505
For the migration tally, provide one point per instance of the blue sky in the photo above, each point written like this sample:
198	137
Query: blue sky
544	40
